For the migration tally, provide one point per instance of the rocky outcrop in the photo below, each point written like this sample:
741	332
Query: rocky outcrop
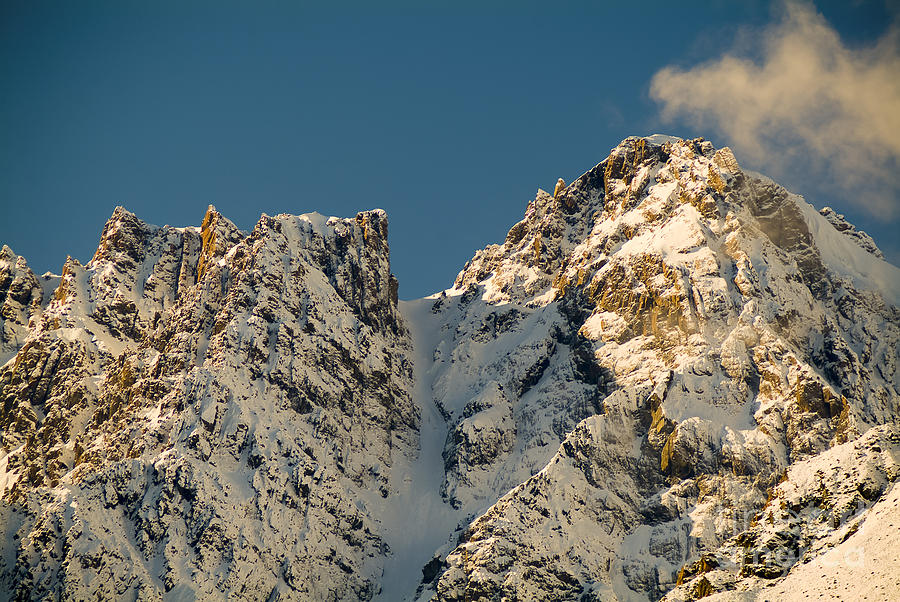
485	432
820	503
200	413
693	305
841	224
21	297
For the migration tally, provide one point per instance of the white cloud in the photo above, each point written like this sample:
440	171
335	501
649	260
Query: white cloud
809	103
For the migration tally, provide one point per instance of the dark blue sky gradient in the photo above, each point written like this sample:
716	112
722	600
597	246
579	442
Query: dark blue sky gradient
448	117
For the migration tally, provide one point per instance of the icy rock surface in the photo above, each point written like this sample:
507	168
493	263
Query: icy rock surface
674	379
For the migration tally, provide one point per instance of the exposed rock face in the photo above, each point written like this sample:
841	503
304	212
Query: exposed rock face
842	225
674	379
210	408
685	313
20	298
821	503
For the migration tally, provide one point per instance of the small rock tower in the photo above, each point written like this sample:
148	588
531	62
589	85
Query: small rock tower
560	184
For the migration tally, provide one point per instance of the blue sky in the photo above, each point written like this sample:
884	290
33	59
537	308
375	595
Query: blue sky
449	117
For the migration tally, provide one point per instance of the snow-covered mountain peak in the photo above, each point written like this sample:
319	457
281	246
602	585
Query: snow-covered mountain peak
719	323
669	198
252	387
673	378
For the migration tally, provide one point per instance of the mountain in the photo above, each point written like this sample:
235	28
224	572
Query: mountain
674	379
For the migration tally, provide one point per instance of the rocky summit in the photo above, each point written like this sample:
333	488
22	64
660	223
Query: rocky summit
673	380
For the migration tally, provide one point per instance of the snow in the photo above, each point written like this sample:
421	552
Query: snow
681	234
865	566
661	139
417	522
7	478
607	323
851	549
318	221
844	257
49	282
493	361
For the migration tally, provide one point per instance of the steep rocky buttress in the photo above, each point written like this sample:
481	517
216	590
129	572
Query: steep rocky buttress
203	410
692	333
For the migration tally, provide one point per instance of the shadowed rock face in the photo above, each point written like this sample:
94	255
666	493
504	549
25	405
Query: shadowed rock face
781	221
658	386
